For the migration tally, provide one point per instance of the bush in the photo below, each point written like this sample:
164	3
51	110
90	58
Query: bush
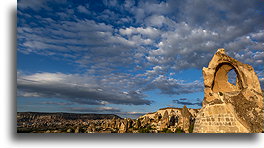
179	130
145	130
166	130
191	128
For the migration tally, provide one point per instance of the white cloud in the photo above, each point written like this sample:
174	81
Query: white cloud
110	3
76	88
129	3
148	31
155	70
83	9
173	86
163	35
35	5
156	20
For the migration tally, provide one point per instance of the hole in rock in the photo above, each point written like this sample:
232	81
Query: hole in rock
232	76
225	79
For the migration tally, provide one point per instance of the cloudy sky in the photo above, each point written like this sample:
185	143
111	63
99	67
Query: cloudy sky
128	57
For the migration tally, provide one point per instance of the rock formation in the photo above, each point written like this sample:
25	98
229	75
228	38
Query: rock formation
171	119
227	107
186	116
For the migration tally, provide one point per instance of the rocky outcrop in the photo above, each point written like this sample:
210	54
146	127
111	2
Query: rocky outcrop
171	119
227	107
186	118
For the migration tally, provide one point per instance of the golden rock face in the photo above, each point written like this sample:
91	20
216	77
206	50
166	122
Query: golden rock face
227	107
221	83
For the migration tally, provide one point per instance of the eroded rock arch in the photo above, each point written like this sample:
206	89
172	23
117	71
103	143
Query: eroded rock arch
229	108
221	83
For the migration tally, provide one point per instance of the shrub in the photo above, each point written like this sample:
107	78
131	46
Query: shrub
179	130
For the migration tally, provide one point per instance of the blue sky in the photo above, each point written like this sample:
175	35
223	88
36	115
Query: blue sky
128	57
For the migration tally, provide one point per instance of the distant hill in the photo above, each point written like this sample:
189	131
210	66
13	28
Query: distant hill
66	116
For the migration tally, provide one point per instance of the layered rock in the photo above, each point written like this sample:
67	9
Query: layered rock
227	107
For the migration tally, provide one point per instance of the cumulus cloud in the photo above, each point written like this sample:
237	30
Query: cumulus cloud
83	9
156	70
185	34
172	86
130	46
110	3
35	5
75	88
159	21
39	4
203	27
148	31
84	42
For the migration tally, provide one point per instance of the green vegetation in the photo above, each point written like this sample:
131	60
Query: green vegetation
145	130
191	128
179	130
166	130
